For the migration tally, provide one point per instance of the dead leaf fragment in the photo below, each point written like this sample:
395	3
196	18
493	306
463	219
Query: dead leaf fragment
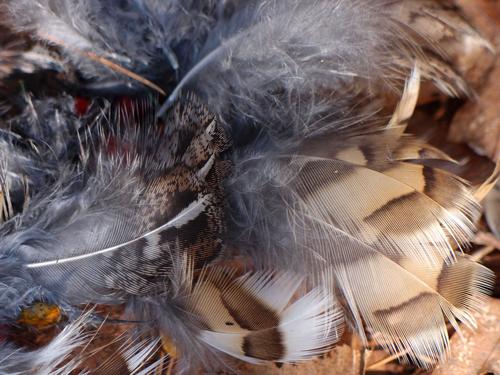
492	210
478	122
479	351
342	360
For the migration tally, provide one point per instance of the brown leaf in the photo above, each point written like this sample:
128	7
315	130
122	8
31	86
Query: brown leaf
479	351
492	210
478	122
340	361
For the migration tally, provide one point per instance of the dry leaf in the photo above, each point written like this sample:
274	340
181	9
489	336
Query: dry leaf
492	210
479	351
342	360
478	122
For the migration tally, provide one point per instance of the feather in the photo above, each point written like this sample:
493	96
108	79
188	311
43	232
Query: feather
14	60
149	28
98	219
491	203
304	49
252	319
408	307
351	211
60	21
488	185
40	137
53	359
279	161
129	354
255	317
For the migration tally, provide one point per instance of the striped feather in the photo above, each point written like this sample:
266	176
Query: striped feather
261	317
372	195
381	231
369	147
393	262
380	208
406	305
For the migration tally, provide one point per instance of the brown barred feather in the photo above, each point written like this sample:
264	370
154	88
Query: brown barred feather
256	211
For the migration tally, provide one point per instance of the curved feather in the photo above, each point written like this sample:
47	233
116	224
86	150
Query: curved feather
116	227
319	189
255	317
378	229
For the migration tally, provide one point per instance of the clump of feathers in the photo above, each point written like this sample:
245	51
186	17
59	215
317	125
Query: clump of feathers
258	209
53	359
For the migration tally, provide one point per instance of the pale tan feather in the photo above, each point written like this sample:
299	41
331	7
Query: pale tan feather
406	105
383	232
263	317
382	210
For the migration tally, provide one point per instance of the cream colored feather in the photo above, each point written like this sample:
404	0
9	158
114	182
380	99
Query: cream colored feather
383	232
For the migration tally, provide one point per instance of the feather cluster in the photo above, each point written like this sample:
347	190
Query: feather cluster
258	209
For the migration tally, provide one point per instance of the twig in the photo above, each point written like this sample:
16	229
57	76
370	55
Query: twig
107	63
381	363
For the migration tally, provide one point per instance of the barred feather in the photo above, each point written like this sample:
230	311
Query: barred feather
352	212
251	319
279	159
